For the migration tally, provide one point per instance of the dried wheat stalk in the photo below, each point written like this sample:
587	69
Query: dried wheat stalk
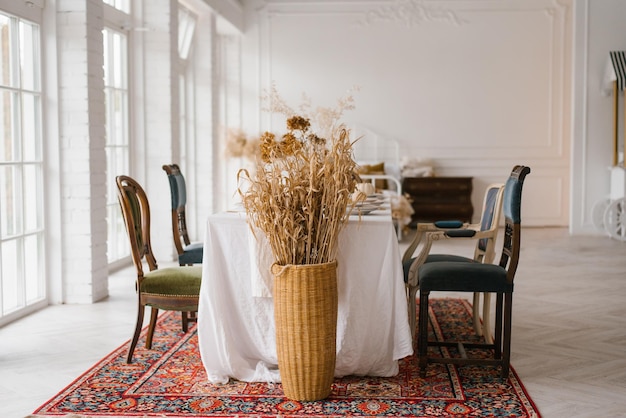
300	191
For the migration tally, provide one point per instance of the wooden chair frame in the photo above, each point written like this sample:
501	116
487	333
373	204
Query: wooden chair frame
484	233
509	259
136	212
178	190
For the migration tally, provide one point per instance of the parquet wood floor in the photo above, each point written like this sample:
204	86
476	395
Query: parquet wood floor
569	330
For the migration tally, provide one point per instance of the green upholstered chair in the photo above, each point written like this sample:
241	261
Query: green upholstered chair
173	288
188	253
483	234
451	276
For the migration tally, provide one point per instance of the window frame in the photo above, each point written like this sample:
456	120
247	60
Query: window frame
31	285
117	21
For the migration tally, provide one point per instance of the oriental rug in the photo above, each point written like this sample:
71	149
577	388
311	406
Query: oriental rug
170	381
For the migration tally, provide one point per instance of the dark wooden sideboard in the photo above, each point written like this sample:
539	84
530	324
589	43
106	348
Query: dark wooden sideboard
440	198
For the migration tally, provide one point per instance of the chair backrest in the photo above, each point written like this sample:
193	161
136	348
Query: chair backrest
489	222
178	191
136	212
512	218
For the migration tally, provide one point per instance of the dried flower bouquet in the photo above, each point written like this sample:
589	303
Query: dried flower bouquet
300	191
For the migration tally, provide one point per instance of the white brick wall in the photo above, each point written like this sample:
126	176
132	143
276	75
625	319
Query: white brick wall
83	159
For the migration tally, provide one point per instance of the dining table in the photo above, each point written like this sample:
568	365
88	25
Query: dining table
236	332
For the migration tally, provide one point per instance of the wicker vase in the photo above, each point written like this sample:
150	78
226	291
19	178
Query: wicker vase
305	312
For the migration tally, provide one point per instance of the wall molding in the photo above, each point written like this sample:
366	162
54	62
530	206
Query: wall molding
513	106
410	13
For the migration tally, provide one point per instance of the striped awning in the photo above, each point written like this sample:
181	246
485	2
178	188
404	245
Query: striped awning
615	71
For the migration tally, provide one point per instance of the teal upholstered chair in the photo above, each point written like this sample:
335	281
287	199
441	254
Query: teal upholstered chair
483	234
173	288
451	276
188	253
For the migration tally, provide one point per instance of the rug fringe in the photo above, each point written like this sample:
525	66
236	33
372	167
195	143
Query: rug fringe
91	416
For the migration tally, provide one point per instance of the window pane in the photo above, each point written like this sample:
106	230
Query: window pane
116	102
10	215
9	151
29	56
11	298
123	5
186	28
33	270
31	129
6	52
33	218
119	113
119	51
118	245
117	164
111	174
115	59
117	137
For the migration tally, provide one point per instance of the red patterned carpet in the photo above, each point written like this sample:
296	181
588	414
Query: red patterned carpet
169	381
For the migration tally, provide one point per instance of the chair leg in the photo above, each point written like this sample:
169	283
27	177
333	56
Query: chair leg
487	318
506	343
412	294
498	335
133	342
422	336
185	321
154	312
478	329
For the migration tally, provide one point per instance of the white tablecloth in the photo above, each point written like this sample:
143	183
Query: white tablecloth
236	313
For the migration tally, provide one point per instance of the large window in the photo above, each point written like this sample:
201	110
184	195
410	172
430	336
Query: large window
22	233
122	5
117	133
186	28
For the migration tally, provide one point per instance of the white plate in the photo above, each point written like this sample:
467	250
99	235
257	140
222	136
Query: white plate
373	201
377	197
363	210
376	203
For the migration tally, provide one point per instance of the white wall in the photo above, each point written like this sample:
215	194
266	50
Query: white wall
477	86
599	29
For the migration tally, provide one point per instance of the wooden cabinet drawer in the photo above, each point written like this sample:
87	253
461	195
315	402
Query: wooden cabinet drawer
437	185
440	198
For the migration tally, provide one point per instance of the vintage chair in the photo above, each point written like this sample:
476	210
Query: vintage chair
173	288
484	234
450	276
188	253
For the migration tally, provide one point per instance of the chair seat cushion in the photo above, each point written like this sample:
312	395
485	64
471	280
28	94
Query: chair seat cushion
174	281
192	254
432	258
463	277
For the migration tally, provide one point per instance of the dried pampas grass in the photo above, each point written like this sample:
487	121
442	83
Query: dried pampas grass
300	192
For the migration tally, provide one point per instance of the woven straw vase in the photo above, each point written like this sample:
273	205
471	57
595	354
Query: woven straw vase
305	312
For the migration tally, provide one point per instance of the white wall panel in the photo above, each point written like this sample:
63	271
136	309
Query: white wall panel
478	86
599	29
